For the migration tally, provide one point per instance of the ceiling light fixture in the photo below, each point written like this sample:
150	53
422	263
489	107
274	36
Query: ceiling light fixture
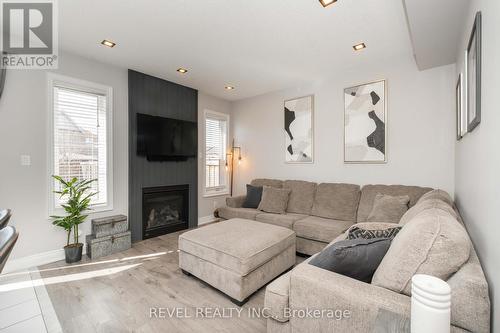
182	70
108	43
327	3
359	46
229	87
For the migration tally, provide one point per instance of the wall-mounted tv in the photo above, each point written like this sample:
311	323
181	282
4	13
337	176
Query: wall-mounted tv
166	139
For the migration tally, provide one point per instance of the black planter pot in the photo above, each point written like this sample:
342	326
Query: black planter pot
73	252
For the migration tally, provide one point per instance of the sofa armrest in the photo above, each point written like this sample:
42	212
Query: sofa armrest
276	298
355	304
235	202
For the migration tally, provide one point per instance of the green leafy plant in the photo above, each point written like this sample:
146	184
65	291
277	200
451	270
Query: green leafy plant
77	196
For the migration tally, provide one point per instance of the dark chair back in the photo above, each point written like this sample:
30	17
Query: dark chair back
8	238
5	215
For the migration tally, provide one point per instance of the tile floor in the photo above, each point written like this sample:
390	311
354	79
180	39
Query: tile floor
25	305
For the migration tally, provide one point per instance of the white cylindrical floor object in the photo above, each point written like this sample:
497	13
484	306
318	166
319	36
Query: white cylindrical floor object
430	305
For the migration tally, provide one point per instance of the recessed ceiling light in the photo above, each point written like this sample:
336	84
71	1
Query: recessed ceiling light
229	87
182	70
326	3
108	43
359	46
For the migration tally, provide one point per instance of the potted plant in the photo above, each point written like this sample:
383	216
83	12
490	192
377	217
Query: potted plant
77	197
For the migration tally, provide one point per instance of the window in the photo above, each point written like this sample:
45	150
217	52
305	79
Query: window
81	147
216	134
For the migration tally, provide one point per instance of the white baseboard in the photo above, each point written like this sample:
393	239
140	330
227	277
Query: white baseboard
34	260
56	255
206	219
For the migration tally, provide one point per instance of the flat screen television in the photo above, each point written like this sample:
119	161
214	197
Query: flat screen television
166	139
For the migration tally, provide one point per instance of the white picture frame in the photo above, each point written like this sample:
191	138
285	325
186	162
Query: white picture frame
365	123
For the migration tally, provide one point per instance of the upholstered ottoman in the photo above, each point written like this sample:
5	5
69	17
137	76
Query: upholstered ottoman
237	256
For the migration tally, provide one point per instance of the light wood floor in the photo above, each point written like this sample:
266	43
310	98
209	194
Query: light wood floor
116	293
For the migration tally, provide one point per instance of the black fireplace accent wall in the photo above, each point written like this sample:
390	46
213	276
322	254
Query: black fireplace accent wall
157	97
165	209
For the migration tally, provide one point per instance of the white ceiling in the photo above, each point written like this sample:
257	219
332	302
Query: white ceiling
256	45
436	28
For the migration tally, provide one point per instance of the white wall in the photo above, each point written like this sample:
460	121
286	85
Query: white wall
24	122
23	116
477	174
207	205
421	127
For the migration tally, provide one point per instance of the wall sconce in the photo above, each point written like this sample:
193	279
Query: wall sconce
230	162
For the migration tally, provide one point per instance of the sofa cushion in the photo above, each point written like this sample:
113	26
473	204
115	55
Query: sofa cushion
243	213
276	298
437	194
320	229
424	205
267	182
368	193
336	201
237	245
431	243
253	197
281	220
388	208
301	196
355	258
274	200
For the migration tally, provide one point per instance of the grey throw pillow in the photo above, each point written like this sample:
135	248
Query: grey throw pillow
387	208
254	195
357	258
274	200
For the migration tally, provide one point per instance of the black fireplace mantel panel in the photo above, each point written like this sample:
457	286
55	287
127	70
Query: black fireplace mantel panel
157	97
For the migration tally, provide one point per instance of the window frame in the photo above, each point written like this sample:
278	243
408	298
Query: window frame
220	190
54	80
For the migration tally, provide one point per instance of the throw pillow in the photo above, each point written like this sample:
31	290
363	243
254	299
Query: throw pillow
369	233
274	200
254	195
387	208
357	258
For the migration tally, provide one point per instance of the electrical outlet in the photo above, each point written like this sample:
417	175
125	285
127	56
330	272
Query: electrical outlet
25	160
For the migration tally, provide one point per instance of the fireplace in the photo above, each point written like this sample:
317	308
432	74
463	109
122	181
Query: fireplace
165	209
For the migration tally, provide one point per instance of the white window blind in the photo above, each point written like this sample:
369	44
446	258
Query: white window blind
216	132
80	139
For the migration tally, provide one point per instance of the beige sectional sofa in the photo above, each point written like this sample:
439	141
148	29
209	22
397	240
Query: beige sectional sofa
318	212
432	241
